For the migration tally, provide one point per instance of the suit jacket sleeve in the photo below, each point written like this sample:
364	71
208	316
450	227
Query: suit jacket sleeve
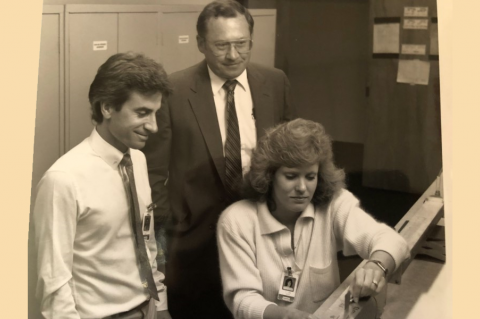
157	152
288	111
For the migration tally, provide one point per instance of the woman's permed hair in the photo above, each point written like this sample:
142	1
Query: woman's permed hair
296	143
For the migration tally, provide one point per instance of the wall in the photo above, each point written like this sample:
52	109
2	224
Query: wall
262	4
322	45
403	141
328	64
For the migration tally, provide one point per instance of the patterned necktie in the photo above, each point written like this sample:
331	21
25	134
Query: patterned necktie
233	160
142	257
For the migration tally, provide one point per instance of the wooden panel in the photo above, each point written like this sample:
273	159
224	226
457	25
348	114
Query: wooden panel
263	50
82	30
179	24
139	32
403	142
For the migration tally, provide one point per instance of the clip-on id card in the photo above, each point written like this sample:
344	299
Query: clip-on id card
147	220
288	286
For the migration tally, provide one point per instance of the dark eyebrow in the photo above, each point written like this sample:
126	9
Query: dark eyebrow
144	108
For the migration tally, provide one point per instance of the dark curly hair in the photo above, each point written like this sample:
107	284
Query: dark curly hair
296	143
122	74
225	9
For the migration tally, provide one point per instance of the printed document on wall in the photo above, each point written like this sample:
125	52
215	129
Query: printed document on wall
413	72
415	24
386	38
415	12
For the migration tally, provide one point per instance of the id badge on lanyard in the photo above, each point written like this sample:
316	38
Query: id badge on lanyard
147	221
288	286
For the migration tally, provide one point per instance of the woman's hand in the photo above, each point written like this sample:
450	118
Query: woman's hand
276	312
367	281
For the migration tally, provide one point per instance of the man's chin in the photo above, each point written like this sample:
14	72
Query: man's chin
233	71
231	75
137	145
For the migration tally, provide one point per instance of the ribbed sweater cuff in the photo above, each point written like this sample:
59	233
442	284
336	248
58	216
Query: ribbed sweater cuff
254	309
398	251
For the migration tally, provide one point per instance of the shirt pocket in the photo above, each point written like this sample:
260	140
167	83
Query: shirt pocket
322	282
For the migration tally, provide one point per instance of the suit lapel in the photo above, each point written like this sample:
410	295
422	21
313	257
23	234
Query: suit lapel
203	106
262	100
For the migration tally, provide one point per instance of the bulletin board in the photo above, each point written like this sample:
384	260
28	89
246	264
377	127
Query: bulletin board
403	150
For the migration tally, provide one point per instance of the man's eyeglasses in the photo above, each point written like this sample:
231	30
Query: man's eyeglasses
222	47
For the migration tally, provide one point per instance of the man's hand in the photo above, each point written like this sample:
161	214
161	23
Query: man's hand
164	314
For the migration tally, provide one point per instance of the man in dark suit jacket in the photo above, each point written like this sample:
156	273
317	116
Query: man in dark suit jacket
186	157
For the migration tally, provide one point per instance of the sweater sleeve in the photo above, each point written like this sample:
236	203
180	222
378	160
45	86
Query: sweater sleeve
357	232
242	284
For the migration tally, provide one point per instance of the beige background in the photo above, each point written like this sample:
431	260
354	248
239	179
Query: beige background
20	34
20	40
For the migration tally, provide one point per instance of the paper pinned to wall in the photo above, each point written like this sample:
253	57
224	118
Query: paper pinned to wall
415	11
100	45
415	24
434	39
417	49
413	72
183	39
386	38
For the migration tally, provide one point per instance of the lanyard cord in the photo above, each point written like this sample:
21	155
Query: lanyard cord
285	259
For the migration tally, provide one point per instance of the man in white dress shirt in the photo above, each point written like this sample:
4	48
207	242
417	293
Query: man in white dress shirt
87	249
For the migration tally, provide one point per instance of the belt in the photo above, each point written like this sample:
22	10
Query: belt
126	314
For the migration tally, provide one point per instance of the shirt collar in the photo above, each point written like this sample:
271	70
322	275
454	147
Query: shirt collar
268	223
217	82
111	155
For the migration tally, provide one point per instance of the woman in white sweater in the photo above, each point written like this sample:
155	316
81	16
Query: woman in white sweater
278	248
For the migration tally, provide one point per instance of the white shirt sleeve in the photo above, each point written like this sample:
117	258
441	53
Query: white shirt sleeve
55	220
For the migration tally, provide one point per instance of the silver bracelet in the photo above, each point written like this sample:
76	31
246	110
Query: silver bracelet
380	265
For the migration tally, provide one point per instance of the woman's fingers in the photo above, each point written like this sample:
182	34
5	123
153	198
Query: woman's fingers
366	282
